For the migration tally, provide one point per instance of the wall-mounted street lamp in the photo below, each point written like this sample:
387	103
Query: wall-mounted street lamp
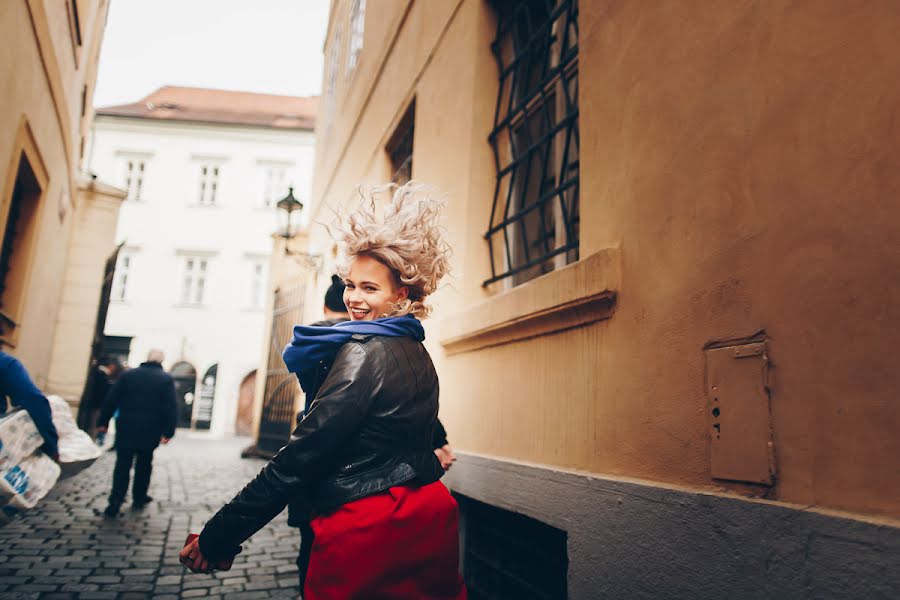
287	207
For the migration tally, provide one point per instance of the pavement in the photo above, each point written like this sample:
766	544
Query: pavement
65	548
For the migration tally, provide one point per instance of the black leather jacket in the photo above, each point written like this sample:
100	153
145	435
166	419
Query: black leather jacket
369	428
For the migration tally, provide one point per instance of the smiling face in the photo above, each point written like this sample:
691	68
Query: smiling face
371	290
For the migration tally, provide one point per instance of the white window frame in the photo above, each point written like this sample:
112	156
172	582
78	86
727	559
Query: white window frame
135	170
121	276
210	178
357	34
194	279
275	183
257	279
331	79
134	165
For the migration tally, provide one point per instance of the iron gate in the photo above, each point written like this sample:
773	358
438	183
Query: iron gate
282	388
88	410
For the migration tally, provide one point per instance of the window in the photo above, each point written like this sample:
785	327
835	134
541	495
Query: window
400	147
507	555
275	179
75	21
357	28
17	246
194	280
331	79
134	177
120	279
257	284
534	224
209	184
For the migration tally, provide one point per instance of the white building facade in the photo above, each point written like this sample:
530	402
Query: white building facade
203	170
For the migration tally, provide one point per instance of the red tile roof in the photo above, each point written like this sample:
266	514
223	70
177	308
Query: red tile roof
172	103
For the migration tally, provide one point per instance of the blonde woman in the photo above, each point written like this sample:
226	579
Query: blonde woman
363	456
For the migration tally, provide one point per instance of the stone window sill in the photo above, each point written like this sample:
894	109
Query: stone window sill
577	294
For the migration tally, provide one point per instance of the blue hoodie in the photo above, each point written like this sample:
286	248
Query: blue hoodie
16	383
313	345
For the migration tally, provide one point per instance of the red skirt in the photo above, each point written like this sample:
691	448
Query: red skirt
401	543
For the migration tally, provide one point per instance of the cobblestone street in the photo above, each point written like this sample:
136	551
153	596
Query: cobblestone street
65	548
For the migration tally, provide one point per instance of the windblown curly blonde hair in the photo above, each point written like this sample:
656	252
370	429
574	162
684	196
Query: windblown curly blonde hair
407	239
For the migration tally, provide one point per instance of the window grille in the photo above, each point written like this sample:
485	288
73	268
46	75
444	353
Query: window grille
400	147
534	225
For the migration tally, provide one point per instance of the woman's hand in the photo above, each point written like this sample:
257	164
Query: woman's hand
191	557
446	456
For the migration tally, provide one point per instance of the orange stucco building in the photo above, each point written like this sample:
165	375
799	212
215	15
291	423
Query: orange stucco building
667	340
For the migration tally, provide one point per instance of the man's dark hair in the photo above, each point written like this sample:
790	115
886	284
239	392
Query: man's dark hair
109	361
334	297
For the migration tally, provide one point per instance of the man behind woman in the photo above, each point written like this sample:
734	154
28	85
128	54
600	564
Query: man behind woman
363	459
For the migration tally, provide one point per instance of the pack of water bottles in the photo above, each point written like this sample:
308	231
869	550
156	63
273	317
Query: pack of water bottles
18	438
26	474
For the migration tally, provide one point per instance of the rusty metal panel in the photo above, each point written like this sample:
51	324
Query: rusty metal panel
741	447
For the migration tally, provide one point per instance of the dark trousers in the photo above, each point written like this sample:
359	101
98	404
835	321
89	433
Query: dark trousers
143	465
306	542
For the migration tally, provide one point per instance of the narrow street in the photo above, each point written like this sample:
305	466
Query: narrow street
65	548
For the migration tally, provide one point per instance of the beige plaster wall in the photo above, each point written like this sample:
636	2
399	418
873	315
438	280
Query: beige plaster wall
745	157
92	242
742	159
46	94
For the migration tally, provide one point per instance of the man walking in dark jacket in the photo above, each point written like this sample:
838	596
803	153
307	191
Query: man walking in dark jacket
145	398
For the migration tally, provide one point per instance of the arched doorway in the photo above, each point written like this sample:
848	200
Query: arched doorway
203	418
185	376
243	423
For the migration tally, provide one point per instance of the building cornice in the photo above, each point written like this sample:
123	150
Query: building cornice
113	122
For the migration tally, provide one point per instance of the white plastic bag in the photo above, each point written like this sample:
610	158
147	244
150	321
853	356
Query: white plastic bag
77	450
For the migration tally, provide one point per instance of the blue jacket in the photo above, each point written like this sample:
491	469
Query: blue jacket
16	383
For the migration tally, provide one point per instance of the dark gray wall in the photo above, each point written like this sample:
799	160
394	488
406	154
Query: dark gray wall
628	540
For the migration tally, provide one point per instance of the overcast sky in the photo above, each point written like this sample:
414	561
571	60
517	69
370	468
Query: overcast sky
268	46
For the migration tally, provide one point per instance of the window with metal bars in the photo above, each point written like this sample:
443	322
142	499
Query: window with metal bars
400	147
534	226
509	556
